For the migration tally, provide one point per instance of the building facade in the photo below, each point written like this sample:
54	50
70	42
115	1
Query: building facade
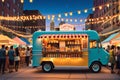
88	24
30	26
52	25
11	8
109	9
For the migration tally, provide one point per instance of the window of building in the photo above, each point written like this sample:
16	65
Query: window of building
2	13
18	5
14	1
14	11
7	15
8	5
18	14
3	4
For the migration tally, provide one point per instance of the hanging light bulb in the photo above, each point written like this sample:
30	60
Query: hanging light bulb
81	20
53	16
58	19
108	5
66	14
79	12
101	17
119	17
85	20
75	20
3	0
59	15
100	7
62	19
106	17
71	13
52	19
93	9
44	17
30	1
48	17
85	10
70	20
66	20
97	19
89	19
92	19
22	1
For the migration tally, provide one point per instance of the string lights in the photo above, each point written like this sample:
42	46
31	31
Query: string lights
102	19
33	17
49	17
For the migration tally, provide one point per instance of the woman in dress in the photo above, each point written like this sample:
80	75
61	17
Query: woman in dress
17	54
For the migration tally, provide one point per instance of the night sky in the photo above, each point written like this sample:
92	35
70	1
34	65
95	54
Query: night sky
55	7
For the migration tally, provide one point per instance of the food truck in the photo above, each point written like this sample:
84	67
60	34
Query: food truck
68	48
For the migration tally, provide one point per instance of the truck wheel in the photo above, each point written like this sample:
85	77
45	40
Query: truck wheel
47	67
95	67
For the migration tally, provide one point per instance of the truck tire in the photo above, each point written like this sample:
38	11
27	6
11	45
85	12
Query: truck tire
95	67
47	67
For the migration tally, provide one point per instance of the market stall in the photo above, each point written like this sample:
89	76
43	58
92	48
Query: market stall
19	41
4	40
108	40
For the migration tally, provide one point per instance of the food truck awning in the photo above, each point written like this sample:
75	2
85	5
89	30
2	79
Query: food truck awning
64	36
110	38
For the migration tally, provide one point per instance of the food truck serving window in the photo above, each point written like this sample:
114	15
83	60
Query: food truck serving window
93	44
65	45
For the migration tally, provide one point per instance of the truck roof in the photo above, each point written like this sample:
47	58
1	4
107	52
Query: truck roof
93	35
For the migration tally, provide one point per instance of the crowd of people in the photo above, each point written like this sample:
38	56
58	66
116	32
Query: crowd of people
114	59
10	58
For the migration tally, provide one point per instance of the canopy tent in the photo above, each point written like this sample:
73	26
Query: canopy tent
25	40
4	40
109	39
19	41
116	40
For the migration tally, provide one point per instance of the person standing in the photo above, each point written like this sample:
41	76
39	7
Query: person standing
7	59
108	48
17	55
11	55
28	56
2	59
118	60
112	58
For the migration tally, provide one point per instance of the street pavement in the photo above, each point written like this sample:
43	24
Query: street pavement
59	74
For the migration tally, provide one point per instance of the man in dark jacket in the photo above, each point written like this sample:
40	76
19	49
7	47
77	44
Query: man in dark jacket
2	59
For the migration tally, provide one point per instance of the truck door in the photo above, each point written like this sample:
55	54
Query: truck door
93	51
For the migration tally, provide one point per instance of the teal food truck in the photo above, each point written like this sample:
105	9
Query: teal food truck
68	48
